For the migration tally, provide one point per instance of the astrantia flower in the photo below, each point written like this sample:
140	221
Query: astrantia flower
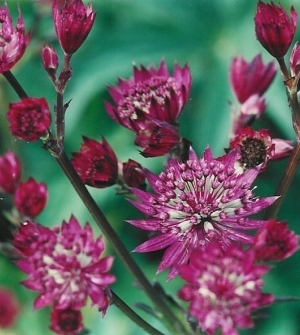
223	288
250	78
96	163
65	267
152	92
274	241
31	197
274	28
13	42
196	202
66	321
9	308
29	118
10	172
73	22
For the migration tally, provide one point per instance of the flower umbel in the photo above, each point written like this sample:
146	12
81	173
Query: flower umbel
196	202
223	288
65	266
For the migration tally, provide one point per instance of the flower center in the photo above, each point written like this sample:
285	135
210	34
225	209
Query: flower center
254	152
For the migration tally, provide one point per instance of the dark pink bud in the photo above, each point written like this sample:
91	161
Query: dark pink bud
274	242
73	22
134	175
9	308
96	163
13	42
50	61
31	198
66	321
29	118
274	28
250	78
10	172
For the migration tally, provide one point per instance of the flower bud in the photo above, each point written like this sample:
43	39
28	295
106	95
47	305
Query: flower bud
10	172
134	175
9	307
50	61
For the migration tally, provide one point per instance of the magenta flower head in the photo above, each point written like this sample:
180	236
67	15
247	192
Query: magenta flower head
250	78
29	119
73	22
195	202
10	172
151	92
66	321
275	242
9	307
96	163
223	288
31	197
65	266
134	175
274	28
13	42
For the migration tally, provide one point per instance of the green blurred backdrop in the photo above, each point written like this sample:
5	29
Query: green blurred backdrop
204	33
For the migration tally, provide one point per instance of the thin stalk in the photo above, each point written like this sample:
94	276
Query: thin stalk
60	120
15	84
173	323
122	306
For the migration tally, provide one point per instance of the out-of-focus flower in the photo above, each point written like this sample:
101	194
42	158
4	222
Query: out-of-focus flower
274	28
10	172
31	197
65	267
246	113
13	42
29	118
274	241
66	321
151	92
250	78
134	175
157	138
196	202
223	288
9	308
50	61
96	163
73	22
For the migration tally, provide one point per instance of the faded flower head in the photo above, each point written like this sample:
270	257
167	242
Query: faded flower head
65	266
9	308
66	321
13	42
223	288
31	198
195	202
274	28
73	22
151	92
10	172
96	163
29	119
274	241
249	78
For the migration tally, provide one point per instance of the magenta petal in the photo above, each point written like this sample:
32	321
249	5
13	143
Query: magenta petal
156	243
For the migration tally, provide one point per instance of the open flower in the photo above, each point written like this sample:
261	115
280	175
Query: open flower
223	288
13	42
10	172
196	202
274	28
65	266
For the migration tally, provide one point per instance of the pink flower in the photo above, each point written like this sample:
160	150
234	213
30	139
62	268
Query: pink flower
31	197
223	288
50	61
152	93
10	172
134	175
196	202
283	148
73	22
250	78
295	60
65	266
96	163
274	241
66	321
29	119
13	42
274	28
9	308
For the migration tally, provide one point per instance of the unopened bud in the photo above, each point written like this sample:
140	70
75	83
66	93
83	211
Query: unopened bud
50	60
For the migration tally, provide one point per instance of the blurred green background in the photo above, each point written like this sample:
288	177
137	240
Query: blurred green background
205	34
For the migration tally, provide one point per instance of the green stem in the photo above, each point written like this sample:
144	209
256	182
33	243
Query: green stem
15	84
122	306
60	120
